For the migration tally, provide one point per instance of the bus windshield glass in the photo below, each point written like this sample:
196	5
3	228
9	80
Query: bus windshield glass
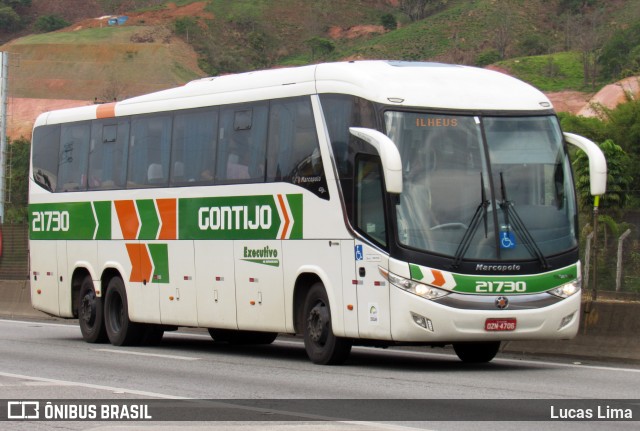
505	194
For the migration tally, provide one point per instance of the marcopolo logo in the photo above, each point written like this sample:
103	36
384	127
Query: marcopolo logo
241	217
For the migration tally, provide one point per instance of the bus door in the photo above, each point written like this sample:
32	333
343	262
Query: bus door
259	285
370	221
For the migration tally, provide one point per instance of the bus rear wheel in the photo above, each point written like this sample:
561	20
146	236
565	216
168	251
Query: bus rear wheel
477	352
320	343
232	336
90	313
120	329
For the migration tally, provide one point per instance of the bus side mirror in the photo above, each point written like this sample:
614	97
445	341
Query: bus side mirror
597	162
389	155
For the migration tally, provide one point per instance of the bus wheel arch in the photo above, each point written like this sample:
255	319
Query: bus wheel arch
301	289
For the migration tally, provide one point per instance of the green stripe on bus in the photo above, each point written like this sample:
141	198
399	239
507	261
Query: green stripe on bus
238	217
508	283
63	221
160	259
103	214
295	203
148	219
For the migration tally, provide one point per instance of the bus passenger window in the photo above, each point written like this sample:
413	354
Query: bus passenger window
149	151
46	140
242	140
294	153
73	157
108	155
194	146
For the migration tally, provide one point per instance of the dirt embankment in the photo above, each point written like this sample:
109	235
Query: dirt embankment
22	113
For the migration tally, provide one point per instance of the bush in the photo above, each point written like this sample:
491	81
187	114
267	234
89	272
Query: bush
9	19
47	23
488	57
389	22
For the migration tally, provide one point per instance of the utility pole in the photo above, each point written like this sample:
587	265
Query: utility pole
4	78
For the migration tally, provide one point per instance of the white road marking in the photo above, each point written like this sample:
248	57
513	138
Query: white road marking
91	386
155	355
372	349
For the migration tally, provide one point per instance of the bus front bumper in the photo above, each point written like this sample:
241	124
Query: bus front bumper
416	319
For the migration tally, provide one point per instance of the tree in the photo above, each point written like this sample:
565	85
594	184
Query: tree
574	6
615	60
419	9
320	47
9	19
17	185
388	21
47	23
618	178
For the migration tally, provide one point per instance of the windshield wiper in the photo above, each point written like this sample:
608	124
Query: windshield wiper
480	214
509	210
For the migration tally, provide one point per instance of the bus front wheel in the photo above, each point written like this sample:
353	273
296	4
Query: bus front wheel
322	346
120	329
90	313
477	352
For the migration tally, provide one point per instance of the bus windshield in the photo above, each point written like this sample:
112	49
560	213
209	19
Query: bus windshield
483	188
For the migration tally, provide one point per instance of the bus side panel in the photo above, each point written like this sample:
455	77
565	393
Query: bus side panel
215	284
259	288
373	292
63	279
143	297
349	289
320	257
177	287
44	276
76	254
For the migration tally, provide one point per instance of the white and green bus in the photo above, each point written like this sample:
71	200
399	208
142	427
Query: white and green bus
370	202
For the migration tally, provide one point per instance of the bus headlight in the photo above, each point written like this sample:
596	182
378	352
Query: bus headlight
422	290
568	289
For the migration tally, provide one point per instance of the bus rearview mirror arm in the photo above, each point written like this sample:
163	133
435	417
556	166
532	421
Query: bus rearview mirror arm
389	156
597	162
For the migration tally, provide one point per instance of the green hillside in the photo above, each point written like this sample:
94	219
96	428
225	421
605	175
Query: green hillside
164	44
98	63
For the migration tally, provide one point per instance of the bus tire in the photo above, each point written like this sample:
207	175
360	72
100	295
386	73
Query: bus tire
91	313
120	329
232	336
320	343
476	352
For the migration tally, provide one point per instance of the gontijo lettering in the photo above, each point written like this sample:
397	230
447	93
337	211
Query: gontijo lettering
234	217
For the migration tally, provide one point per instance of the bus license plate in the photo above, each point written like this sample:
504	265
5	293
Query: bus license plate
500	325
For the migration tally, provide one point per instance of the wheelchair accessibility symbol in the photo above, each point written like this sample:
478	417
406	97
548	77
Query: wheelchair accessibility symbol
359	254
507	239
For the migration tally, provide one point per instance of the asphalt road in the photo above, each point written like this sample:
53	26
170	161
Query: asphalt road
48	360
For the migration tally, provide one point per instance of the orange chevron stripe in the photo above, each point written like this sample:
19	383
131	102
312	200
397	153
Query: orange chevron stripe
106	110
438	278
167	210
128	218
140	263
287	221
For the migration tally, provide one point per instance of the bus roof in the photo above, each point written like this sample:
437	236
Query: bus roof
399	83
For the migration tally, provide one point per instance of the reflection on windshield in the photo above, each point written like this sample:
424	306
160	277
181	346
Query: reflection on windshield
452	202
